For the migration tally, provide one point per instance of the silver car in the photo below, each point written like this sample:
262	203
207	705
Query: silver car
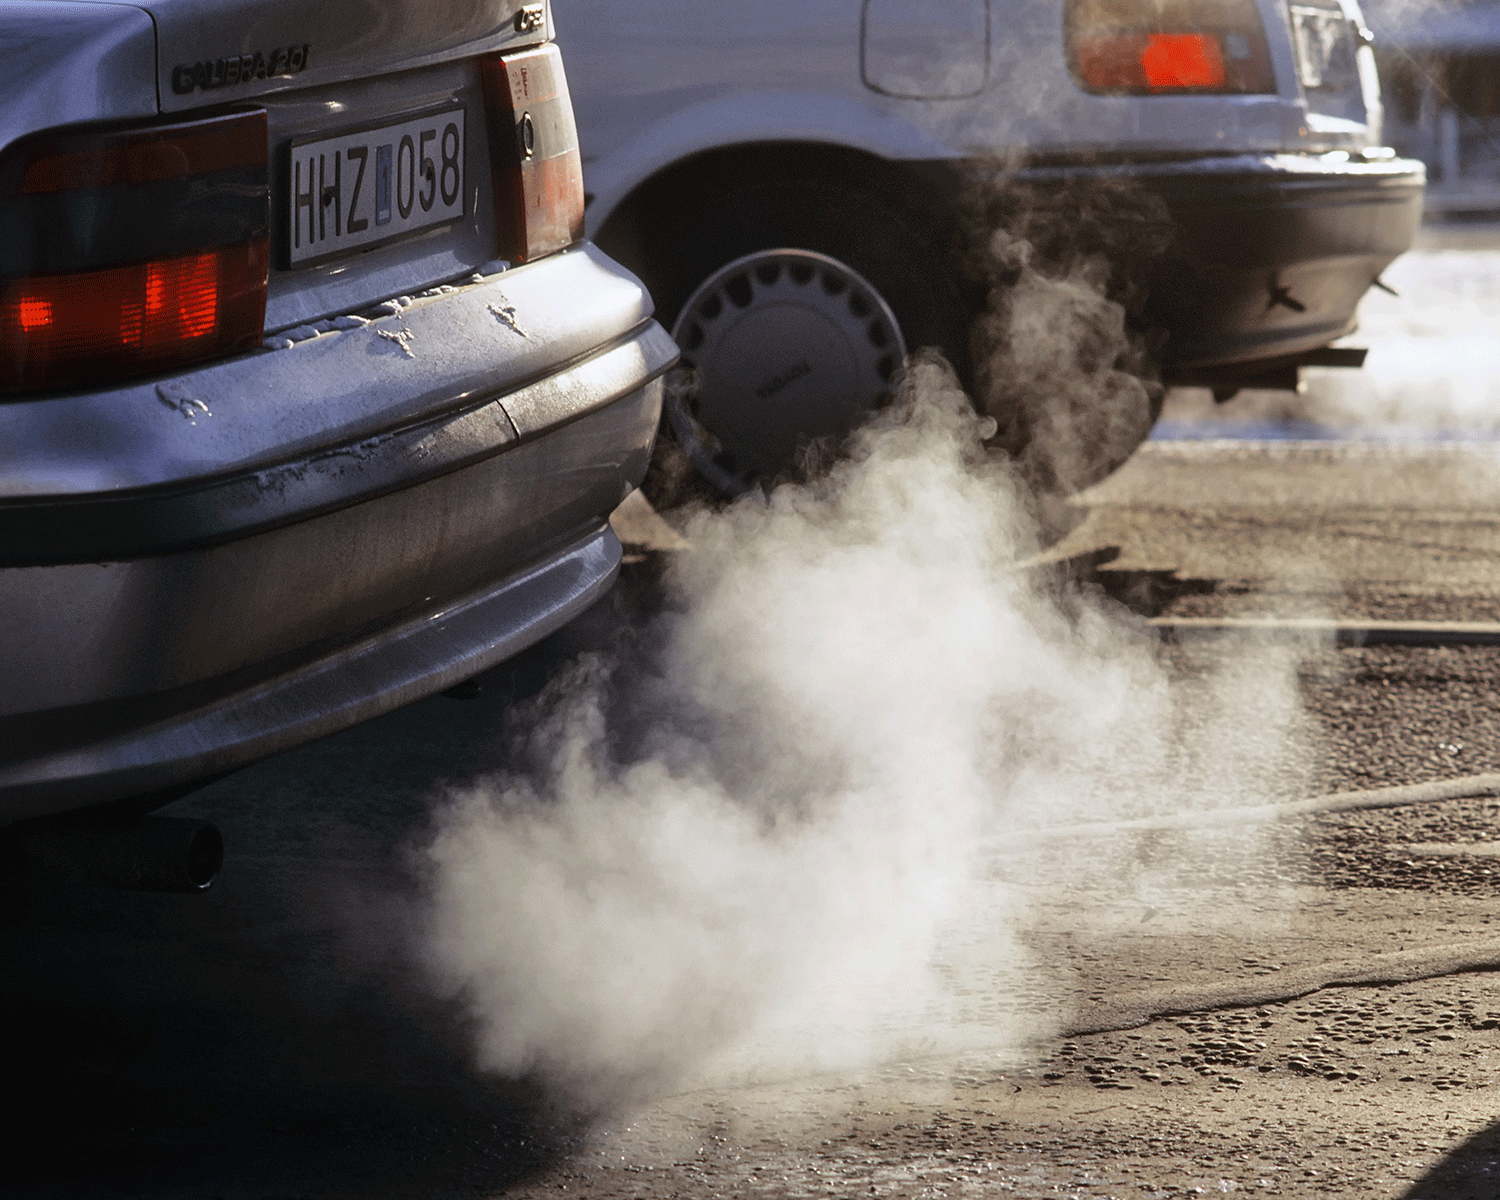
315	399
807	188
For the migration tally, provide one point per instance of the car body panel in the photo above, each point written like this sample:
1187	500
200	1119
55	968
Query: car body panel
344	40
237	605
148	522
62	63
1309	236
943	55
133	648
218	581
657	82
1276	210
207	735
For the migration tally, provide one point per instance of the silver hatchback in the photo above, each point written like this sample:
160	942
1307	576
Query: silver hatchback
313	399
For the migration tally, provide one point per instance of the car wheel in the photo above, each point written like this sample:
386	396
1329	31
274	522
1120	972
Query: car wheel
786	347
794	303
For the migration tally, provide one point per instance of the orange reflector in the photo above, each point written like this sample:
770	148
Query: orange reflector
58	330
1183	60
33	314
538	174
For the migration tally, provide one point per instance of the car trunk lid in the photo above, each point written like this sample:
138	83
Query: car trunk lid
220	51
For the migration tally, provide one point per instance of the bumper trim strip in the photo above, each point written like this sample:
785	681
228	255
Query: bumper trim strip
427	654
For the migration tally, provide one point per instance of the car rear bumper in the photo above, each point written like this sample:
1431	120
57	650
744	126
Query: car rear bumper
152	636
128	678
1254	259
106	752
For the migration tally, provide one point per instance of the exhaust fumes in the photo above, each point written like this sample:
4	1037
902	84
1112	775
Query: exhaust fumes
1054	359
1432	361
1061	350
763	840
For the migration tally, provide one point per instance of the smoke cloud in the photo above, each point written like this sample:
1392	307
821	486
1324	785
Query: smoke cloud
758	840
1056	365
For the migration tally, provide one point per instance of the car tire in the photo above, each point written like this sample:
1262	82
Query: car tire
794	302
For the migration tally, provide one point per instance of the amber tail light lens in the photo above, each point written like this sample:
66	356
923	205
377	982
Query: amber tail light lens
1153	47
132	251
534	153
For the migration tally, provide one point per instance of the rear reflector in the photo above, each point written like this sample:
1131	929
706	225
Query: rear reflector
1144	47
538	173
135	250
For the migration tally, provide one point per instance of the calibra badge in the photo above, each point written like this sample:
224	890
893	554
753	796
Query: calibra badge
240	68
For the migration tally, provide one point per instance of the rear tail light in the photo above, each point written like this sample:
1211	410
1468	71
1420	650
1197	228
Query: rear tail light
131	251
534	153
1150	47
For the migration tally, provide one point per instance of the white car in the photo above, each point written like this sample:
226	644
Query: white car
314	400
795	182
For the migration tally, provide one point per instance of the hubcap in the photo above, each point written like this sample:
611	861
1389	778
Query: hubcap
787	346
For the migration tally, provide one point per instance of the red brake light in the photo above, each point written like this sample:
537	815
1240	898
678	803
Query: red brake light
1143	47
138	250
1183	60
538	174
132	320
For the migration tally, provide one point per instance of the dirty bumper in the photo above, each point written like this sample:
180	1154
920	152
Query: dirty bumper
126	678
154	636
427	652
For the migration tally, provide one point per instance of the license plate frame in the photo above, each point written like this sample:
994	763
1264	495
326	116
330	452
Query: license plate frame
373	184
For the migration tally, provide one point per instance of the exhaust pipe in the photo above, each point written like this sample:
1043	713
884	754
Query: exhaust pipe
153	854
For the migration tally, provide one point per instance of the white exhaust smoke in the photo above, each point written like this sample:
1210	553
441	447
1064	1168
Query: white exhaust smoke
758	848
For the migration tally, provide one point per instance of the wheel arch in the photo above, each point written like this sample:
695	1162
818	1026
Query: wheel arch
752	124
926	188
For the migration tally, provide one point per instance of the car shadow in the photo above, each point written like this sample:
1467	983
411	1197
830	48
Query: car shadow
1471	1171
252	1047
278	1035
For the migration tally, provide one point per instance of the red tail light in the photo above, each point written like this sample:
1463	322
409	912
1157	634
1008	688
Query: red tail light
132	251
534	153
1144	47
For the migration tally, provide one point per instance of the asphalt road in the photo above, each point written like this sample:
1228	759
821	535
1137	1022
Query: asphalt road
1295	1007
278	1037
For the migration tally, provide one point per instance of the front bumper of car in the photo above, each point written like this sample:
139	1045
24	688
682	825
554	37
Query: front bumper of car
1246	262
198	572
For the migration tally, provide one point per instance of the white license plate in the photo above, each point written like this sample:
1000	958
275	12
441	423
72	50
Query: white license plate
369	186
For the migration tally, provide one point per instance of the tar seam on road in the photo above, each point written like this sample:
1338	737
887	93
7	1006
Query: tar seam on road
1341	633
1400	966
1404	966
1464	787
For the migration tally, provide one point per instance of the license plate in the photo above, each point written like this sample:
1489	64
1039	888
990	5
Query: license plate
1325	48
359	189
